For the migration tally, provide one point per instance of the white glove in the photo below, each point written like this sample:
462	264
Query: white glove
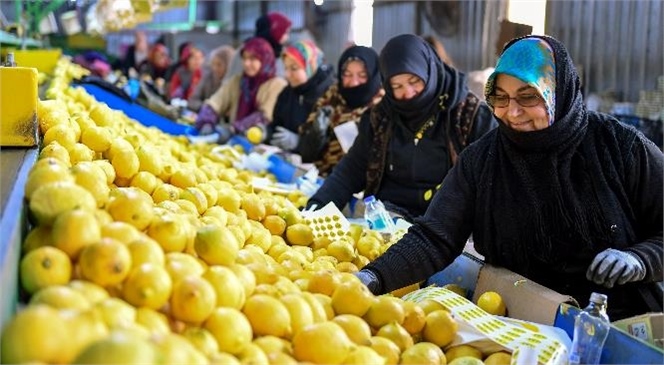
285	139
613	266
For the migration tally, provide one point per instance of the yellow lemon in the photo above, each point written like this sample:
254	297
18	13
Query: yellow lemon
275	224
405	290
326	303
229	199
73	230
324	282
84	328
60	297
35	334
97	138
300	312
253	354
440	328
39	236
230	328
397	334
145	250
145	181
299	234
80	153
132	206
342	250
193	299
385	348
363	355
51	199
255	135
385	309
150	160
456	288
423	353
51	171
91	291
369	246
43	267
216	245
229	289
106	262
210	192
254	206
217	212
492	303
116	313
62	133
462	351
268	316
180	264
271	344
246	277
202	340
222	358
355	327
57	151
196	196
352	298
118	348
109	172
93	179
147	286
498	358
183	178
163	192
414	319
170	231
466	360
430	305
155	322
120	231
322	343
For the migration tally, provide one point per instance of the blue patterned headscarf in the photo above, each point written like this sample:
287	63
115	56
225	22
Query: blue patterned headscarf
531	61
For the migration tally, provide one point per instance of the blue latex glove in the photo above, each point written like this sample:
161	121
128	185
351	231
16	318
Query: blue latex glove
206	120
613	266
368	278
285	139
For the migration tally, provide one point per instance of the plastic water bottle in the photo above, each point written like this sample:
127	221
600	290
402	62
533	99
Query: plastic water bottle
377	216
591	327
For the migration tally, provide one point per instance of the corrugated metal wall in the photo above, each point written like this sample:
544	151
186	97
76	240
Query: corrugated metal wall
618	44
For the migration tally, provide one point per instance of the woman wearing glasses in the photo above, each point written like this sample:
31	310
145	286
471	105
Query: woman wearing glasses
410	140
566	197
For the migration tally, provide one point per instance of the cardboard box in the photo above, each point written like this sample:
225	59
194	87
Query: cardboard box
648	327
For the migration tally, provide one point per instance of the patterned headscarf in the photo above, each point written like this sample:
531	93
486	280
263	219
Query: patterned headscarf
531	61
249	86
306	54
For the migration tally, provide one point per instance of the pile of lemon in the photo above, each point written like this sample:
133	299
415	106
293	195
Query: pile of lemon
146	249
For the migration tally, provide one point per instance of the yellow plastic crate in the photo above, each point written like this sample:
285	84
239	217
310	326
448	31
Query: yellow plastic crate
43	60
18	106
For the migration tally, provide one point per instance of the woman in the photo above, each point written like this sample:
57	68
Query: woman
247	99
157	63
413	136
219	60
357	89
566	197
187	76
308	78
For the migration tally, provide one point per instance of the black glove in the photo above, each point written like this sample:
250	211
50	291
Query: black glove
613	266
368	278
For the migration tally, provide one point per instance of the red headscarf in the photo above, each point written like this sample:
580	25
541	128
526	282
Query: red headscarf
249	86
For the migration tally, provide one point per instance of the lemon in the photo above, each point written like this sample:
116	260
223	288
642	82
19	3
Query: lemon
202	340
120	231
217	212
216	245
385	348
126	163
326	303
324	281
60	297
430	305
210	192
50	171
397	334
299	234
423	353
193	299
272	344
498	358
106	166
229	289
84	328
176	349
170	231
145	250
456	288
466	360
229	199
275	224
342	250
246	278
57	151
91	291
405	290
352	298
80	153
355	327
62	133
106	262
300	312
222	358
260	237
51	199
93	179
118	348
322	343
462	351
254	206
39	236
369	246
492	303
132	206
255	135
179	265
147	286
145	181
35	334
163	192
155	322
116	313
196	196
364	355
268	316
150	160
183	178
414	317
97	138
383	310
73	230
253	354
230	328
43	267
440	328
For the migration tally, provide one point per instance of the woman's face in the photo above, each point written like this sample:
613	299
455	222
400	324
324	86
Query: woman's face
295	75
161	59
196	59
518	117
406	86
355	74
218	68
251	64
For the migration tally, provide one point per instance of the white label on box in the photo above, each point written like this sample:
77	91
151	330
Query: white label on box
639	330
346	134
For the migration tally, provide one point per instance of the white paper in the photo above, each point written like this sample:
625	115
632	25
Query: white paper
346	134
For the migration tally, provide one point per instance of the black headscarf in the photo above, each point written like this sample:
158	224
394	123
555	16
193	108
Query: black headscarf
408	53
534	187
360	95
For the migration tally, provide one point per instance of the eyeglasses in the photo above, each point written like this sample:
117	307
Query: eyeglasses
503	101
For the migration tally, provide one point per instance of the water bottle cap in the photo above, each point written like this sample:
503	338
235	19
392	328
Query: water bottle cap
598	298
369	199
